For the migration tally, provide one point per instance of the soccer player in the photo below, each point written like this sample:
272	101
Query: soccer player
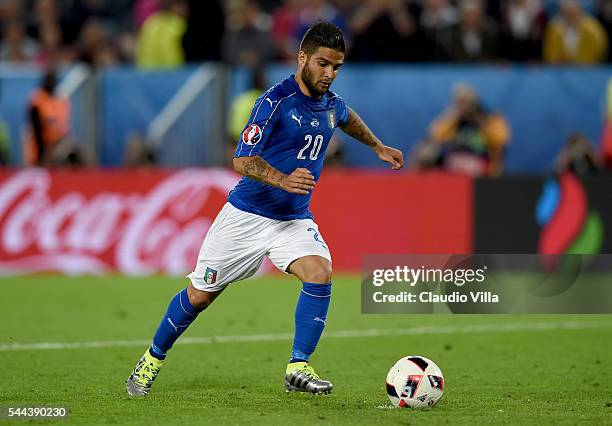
280	155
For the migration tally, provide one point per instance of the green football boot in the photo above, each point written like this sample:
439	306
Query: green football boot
301	377
140	381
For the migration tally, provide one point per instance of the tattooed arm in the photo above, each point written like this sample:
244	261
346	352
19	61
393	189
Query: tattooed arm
357	128
300	181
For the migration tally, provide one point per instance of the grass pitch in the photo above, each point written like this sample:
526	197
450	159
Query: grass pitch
537	369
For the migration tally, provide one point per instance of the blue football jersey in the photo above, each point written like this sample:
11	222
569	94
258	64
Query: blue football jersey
289	130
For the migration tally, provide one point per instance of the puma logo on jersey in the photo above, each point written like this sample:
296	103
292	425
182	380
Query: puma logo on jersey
271	102
299	120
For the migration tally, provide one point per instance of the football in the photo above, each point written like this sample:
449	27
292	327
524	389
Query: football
415	382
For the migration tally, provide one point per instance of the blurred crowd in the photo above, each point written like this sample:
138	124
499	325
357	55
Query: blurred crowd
167	33
469	138
466	137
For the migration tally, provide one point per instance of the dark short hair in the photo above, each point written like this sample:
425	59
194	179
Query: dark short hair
322	34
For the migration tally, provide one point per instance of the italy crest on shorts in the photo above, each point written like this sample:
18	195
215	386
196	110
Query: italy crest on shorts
210	276
251	134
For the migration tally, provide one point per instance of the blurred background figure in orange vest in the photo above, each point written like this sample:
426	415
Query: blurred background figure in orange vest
49	116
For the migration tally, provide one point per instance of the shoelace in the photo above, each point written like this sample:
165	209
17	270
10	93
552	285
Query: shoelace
147	374
309	371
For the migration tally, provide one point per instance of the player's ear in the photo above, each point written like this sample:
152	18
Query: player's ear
302	58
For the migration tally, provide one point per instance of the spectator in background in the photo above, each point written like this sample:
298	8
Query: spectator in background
242	105
50	52
115	14
160	40
16	46
522	24
472	139
240	111
49	117
10	10
578	156
436	19
46	24
248	41
285	22
574	37
114	23
44	13
385	31
474	38
94	44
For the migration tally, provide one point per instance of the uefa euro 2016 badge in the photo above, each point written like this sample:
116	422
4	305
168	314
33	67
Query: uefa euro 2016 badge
251	135
331	118
210	276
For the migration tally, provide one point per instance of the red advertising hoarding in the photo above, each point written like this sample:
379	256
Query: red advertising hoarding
369	212
153	221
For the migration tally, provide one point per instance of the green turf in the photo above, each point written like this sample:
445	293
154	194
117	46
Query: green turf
558	376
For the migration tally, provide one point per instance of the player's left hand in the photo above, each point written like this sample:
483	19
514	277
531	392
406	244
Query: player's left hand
391	155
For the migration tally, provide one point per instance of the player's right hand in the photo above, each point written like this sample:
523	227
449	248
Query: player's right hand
300	181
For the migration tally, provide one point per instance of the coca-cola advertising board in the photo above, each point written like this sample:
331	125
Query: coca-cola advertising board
153	221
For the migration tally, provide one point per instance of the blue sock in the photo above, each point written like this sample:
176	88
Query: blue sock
179	316
310	317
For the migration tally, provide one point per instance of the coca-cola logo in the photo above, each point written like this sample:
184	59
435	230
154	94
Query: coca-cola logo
76	222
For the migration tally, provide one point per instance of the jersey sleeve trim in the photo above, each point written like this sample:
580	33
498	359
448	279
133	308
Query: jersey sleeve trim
263	98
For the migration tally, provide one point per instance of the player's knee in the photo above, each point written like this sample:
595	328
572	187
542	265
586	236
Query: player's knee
200	299
320	273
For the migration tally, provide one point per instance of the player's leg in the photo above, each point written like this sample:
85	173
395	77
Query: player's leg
310	318
229	253
182	310
313	303
300	250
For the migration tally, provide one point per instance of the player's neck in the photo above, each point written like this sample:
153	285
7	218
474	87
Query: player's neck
304	88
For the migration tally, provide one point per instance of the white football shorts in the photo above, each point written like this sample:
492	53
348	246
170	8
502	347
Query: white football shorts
237	242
